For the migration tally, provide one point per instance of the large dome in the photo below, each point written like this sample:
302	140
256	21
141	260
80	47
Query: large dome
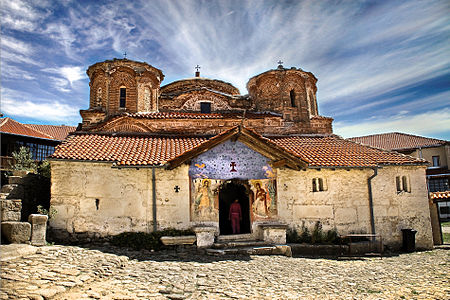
198	83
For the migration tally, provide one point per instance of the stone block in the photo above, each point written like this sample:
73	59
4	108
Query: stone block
178	240
8	188
205	236
16	232
274	234
10	209
15	179
38	229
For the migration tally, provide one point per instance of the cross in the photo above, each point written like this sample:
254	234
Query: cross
280	62
232	165
197	67
176	188
125	54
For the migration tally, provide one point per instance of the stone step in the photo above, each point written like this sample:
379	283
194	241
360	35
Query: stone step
3	195
7	188
264	250
238	244
235	237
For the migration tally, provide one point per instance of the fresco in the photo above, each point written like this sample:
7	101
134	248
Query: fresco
263	199
231	160
205	199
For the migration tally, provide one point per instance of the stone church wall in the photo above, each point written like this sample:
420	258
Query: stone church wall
344	203
95	199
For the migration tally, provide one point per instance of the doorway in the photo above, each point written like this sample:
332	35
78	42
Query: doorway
229	191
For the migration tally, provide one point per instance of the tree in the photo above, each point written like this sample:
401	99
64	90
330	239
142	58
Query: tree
24	160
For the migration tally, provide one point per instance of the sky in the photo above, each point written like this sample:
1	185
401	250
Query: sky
382	66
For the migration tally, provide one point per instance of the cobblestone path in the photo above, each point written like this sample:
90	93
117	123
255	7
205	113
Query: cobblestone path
63	272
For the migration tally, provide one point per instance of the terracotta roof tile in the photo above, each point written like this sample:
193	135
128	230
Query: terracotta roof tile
58	132
126	150
8	125
329	151
440	195
397	141
332	151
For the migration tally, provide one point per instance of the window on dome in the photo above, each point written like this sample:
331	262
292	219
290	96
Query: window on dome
205	107
292	95
123	97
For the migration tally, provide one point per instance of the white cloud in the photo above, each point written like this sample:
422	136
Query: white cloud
48	110
67	76
22	15
431	123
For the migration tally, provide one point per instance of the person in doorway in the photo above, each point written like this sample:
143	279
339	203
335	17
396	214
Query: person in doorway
235	216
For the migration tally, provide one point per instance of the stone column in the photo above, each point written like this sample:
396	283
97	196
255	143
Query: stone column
205	236
38	229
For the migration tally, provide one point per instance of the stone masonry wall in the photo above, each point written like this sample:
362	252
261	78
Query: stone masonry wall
344	204
96	199
125	200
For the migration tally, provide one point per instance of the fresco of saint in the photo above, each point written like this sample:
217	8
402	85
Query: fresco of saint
264	199
205	202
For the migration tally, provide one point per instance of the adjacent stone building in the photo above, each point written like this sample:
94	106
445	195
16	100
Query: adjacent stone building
150	157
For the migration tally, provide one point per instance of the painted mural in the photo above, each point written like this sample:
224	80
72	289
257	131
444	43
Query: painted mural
205	199
231	160
263	199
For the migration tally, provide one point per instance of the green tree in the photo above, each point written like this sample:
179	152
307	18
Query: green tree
24	160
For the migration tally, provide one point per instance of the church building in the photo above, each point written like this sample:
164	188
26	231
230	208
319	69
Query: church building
148	157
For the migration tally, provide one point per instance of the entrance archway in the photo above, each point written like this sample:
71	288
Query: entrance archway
229	191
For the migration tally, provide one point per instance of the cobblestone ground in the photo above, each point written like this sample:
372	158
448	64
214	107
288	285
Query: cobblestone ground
63	272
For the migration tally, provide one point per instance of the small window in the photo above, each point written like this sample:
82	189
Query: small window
402	183
123	97
317	185
292	95
436	161
205	107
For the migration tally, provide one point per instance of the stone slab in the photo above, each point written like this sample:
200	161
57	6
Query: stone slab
178	240
13	251
10	209
16	232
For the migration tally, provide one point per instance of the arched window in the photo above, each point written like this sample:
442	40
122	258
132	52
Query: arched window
292	95
123	97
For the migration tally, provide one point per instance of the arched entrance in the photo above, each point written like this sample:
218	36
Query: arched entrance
229	191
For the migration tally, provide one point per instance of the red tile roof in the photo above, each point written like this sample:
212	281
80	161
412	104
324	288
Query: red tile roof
58	132
8	125
127	150
440	195
332	151
397	141
152	150
53	132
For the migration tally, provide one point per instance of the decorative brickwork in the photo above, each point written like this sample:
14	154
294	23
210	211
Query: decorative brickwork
288	95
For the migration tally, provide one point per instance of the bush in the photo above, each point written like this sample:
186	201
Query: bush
24	160
316	237
317	234
147	241
44	169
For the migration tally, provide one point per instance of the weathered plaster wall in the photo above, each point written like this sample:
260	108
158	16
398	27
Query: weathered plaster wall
124	198
344	204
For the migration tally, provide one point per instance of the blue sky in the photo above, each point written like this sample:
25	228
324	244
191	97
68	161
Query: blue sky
382	65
